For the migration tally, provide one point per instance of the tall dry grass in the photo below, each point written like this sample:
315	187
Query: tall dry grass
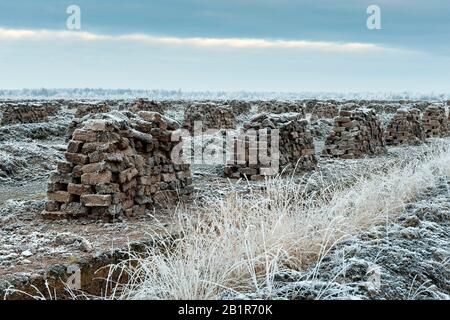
238	243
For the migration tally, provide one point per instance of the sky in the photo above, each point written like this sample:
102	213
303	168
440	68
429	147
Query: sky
231	45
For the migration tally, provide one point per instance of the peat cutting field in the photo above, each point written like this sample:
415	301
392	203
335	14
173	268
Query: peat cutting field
224	199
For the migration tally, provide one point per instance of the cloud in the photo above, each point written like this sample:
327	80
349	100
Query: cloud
28	34
234	43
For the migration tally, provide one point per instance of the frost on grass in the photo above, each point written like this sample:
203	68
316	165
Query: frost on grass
330	240
405	259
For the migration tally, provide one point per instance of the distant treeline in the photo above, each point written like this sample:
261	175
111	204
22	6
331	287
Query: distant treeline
161	94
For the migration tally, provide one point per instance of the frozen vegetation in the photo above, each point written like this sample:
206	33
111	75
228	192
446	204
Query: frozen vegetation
162	94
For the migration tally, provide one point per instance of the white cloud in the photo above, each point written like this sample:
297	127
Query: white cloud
236	43
24	34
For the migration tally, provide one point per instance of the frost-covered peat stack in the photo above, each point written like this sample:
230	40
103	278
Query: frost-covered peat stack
325	110
355	134
28	112
117	164
282	107
255	149
143	104
211	116
421	105
350	106
405	128
435	122
85	108
384	107
239	107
